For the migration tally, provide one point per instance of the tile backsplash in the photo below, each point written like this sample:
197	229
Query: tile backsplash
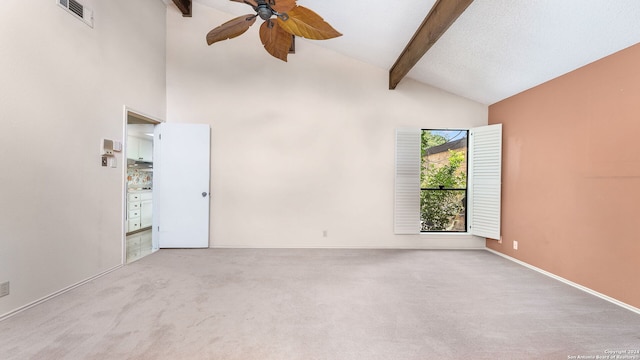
137	178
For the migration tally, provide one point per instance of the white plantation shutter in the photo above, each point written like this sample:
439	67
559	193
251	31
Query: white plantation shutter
407	181
485	167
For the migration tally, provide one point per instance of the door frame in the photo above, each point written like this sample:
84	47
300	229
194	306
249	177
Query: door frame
129	112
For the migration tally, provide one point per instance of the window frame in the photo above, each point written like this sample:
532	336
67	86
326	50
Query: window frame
483	182
465	189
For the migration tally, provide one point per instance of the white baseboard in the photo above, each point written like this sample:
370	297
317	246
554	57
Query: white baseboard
568	282
312	247
59	292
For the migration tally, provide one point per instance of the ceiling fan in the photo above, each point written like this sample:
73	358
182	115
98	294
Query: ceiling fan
276	33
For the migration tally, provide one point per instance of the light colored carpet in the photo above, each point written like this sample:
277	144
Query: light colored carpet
320	304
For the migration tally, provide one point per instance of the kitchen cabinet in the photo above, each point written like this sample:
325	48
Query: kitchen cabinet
139	210
133	212
133	224
146	206
139	149
133	220
145	150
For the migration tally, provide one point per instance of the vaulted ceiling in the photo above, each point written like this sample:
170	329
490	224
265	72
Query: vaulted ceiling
495	48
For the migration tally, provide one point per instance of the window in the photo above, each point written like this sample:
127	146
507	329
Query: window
477	212
443	180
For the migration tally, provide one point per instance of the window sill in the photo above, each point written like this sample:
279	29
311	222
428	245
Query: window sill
446	233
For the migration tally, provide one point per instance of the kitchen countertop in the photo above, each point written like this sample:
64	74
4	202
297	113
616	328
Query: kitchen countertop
138	190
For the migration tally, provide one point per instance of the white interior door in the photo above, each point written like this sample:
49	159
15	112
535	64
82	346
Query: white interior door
181	186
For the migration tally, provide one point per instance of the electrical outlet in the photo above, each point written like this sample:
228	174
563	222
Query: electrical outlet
515	245
324	233
4	289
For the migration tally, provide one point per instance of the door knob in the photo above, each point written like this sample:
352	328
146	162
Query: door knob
204	194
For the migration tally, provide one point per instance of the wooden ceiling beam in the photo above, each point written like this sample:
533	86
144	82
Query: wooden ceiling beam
442	15
184	6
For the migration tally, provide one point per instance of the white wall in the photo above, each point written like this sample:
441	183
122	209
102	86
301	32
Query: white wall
303	146
63	87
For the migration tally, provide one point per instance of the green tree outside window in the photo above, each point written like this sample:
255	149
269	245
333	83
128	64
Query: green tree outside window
441	208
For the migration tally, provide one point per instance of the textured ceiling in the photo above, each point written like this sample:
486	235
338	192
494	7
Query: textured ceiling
496	48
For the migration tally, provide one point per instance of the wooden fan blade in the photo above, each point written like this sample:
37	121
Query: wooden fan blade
305	23
250	2
275	40
231	28
282	6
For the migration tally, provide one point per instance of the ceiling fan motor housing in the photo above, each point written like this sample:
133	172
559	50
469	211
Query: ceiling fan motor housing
264	11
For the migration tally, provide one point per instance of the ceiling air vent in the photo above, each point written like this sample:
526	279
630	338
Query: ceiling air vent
77	9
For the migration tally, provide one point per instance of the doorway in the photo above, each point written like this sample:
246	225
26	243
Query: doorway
138	180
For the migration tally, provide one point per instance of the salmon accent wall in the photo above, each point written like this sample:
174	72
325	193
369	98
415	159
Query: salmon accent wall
571	176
